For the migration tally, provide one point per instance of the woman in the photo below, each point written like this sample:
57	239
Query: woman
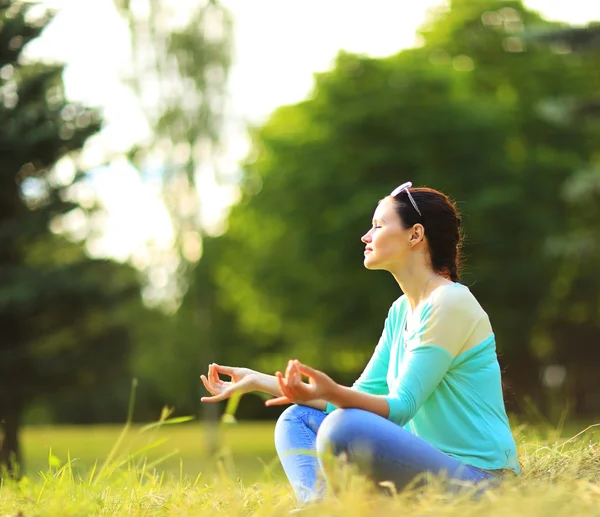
430	399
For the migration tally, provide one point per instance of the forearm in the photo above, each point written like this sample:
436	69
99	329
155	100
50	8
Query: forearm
345	398
268	384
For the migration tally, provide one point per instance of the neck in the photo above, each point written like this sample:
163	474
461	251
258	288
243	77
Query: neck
417	282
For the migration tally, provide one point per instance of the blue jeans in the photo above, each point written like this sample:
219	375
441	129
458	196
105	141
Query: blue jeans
380	449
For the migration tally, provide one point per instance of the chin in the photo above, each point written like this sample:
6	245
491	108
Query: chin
370	264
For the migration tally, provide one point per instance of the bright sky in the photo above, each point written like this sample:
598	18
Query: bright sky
279	45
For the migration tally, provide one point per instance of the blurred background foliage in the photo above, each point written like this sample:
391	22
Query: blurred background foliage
497	107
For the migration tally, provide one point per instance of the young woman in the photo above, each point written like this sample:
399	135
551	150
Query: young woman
429	400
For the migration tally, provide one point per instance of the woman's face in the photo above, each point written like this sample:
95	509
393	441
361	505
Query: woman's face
387	242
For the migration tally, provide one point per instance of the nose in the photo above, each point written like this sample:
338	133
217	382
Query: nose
366	238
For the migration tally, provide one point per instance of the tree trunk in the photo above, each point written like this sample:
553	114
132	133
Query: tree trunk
209	412
10	452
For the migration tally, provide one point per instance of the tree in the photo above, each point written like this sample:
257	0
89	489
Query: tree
188	65
62	315
545	152
463	113
569	329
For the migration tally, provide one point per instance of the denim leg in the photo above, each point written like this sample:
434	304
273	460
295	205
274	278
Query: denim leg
295	442
385	451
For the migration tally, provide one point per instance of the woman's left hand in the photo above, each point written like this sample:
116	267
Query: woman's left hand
319	387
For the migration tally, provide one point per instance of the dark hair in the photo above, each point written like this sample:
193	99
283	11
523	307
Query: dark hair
442	225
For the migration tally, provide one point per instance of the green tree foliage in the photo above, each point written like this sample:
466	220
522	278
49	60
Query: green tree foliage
465	113
188	66
568	325
62	315
176	348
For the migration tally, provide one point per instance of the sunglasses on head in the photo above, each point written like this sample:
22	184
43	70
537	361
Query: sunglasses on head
404	188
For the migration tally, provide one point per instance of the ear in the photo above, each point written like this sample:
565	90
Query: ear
416	234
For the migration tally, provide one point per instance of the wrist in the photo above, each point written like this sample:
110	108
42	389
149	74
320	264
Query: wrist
255	381
336	395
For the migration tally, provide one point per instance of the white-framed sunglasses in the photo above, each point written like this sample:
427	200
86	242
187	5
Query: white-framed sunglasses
405	187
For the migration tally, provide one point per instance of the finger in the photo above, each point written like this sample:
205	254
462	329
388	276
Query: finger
214	390
279	401
288	372
294	378
214	374
308	371
225	370
297	388
299	391
288	369
281	382
208	385
215	398
294	367
283	387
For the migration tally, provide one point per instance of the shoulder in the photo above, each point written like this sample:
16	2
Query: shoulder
397	310
455	300
399	306
453	319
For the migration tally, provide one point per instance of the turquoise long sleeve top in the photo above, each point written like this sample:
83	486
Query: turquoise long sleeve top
439	372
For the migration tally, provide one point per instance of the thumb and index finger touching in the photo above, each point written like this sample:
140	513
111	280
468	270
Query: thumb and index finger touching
305	369
225	370
215	369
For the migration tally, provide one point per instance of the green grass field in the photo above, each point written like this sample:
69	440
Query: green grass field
170	471
183	447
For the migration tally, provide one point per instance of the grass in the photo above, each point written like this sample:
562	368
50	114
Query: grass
68	476
182	447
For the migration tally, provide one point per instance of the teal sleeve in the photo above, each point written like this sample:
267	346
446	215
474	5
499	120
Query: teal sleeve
330	407
373	379
422	370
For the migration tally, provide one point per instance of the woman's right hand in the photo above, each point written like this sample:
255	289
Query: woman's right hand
243	380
